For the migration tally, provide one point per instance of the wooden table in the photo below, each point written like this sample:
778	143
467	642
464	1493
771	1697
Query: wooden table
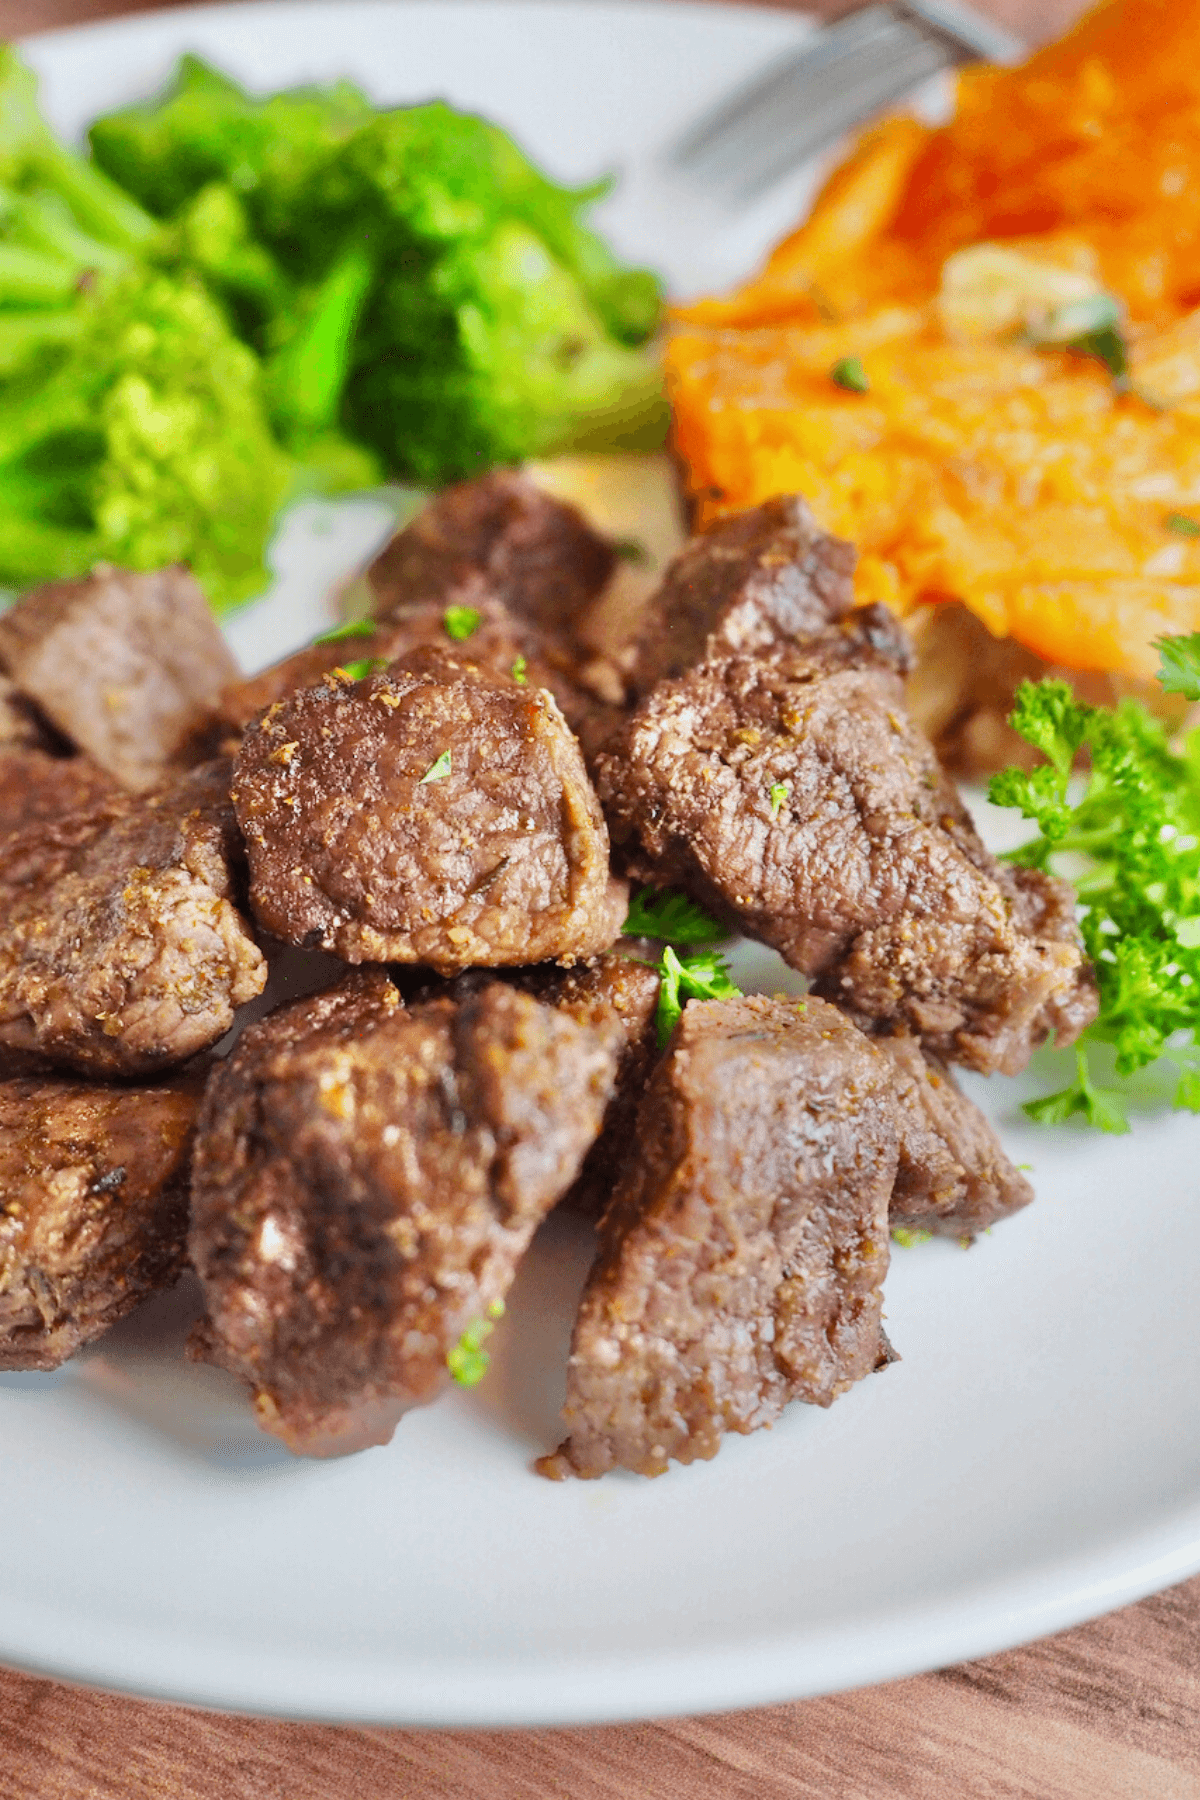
1108	1712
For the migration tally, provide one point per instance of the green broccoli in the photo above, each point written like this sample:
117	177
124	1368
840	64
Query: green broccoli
206	128
148	444
493	326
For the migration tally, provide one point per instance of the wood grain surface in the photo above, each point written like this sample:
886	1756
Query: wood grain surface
1110	1711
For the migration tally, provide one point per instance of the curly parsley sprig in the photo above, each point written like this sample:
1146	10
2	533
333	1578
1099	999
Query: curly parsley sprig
1127	831
696	975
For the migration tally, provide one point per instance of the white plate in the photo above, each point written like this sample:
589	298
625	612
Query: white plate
1035	1458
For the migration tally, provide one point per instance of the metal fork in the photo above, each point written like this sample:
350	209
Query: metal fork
805	101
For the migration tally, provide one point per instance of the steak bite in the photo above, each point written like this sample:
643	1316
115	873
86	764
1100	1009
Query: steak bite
499	641
790	792
762	577
367	1178
94	1206
122	951
35	787
499	537
954	1178
622	989
128	667
432	813
741	1263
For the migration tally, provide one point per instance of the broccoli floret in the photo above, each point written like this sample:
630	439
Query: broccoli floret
149	444
206	128
484	339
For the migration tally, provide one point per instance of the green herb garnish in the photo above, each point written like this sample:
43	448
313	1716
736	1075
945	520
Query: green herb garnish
779	794
468	1361
366	665
907	1238
460	622
438	770
1179	665
1129	829
354	628
1091	327
631	550
848	373
700	975
671	918
519	671
1182	524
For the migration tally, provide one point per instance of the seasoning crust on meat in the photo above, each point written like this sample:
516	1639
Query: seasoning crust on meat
128	667
953	1177
432	813
93	1207
122	950
367	1178
790	792
741	1263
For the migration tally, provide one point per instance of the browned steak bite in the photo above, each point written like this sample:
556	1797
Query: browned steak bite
790	792
741	1263
35	787
499	537
762	577
121	949
623	989
954	1178
93	1207
499	641
432	813
366	1180
22	726
129	668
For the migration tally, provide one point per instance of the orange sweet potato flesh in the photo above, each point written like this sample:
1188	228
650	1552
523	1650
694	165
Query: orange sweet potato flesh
1022	482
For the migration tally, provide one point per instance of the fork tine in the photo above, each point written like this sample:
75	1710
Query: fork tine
803	102
806	109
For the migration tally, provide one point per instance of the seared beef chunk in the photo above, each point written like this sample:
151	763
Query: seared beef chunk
121	950
128	667
762	577
500	642
499	537
93	1208
432	813
22	727
35	787
790	792
741	1263
625	990
954	1178
366	1180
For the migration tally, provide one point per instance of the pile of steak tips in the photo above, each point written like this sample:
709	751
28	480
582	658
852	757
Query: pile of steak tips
451	798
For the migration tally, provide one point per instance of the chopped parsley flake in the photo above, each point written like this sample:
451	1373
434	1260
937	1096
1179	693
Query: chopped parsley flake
779	794
366	665
461	621
1091	327
437	771
848	373
518	670
1129	826
1181	523
906	1238
631	550
468	1361
354	628
701	975
671	918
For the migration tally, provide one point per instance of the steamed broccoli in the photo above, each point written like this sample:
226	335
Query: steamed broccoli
148	444
494	324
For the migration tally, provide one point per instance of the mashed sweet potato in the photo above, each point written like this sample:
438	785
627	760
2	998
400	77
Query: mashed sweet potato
997	457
